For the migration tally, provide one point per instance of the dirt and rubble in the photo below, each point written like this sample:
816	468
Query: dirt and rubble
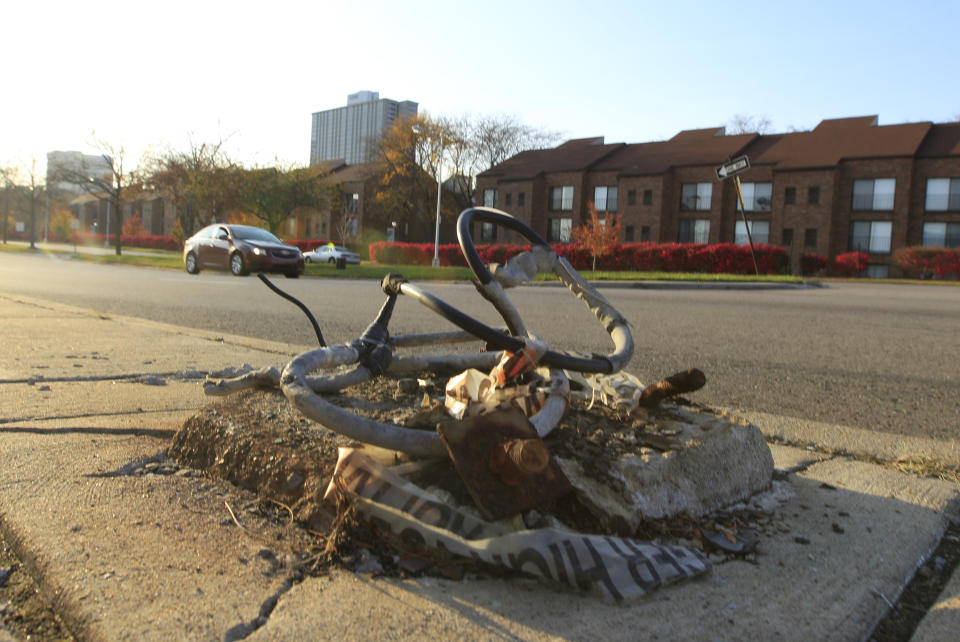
259	442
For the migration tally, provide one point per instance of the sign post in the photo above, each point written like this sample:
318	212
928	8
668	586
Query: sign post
725	171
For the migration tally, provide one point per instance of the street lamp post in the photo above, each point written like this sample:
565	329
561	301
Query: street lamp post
417	129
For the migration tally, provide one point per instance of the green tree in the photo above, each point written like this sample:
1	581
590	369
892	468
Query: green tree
61	223
271	194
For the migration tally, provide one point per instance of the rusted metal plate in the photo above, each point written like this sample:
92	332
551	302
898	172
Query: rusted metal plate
503	462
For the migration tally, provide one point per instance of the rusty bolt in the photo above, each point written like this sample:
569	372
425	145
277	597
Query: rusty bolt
514	459
678	384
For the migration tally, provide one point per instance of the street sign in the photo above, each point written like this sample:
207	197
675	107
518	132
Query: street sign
735	166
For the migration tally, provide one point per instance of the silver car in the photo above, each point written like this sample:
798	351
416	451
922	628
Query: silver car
330	254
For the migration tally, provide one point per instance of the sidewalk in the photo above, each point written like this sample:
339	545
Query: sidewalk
160	557
99	250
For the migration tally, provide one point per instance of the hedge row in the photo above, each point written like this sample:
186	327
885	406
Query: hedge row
724	258
925	262
148	241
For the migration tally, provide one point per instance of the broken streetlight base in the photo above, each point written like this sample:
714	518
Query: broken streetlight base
503	463
499	452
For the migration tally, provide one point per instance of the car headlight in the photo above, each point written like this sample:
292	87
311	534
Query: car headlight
259	251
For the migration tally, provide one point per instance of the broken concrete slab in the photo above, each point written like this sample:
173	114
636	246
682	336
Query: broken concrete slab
720	460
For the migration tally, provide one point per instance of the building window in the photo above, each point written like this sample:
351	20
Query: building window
757	197
645	234
943	194
693	230
628	232
759	231
559	229
695	196
521	198
631	197
648	197
878	271
813	195
875	195
561	198
490	198
605	198
787	237
810	237
790	196
941	234
508	198
352	203
871	236
488	232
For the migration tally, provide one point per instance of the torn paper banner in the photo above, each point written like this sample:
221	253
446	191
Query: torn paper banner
617	568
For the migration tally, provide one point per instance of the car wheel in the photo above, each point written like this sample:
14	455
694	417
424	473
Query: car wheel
306	259
191	263
237	265
292	275
332	260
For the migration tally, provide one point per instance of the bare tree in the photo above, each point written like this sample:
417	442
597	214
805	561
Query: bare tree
25	189
202	182
114	185
7	192
744	124
34	191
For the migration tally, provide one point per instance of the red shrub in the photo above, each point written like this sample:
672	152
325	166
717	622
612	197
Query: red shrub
148	241
851	263
668	257
813	263
929	261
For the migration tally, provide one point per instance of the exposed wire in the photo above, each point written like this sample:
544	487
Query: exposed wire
296	302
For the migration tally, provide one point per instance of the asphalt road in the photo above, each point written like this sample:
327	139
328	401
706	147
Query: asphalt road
874	356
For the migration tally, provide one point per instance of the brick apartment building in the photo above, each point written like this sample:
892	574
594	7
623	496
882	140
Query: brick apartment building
848	184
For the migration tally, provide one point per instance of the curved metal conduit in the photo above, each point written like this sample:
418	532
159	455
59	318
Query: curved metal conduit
372	353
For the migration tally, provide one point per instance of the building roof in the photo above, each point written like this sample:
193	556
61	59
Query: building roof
690	147
943	140
357	172
830	142
838	139
573	155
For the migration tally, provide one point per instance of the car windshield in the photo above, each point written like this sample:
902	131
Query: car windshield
247	233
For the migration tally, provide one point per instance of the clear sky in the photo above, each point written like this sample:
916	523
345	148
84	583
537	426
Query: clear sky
159	74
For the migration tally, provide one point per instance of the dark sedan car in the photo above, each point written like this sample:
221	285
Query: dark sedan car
240	249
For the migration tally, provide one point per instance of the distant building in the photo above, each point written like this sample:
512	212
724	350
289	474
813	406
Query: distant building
93	167
350	132
848	184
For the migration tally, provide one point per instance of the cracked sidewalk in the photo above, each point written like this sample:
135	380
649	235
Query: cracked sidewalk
123	556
